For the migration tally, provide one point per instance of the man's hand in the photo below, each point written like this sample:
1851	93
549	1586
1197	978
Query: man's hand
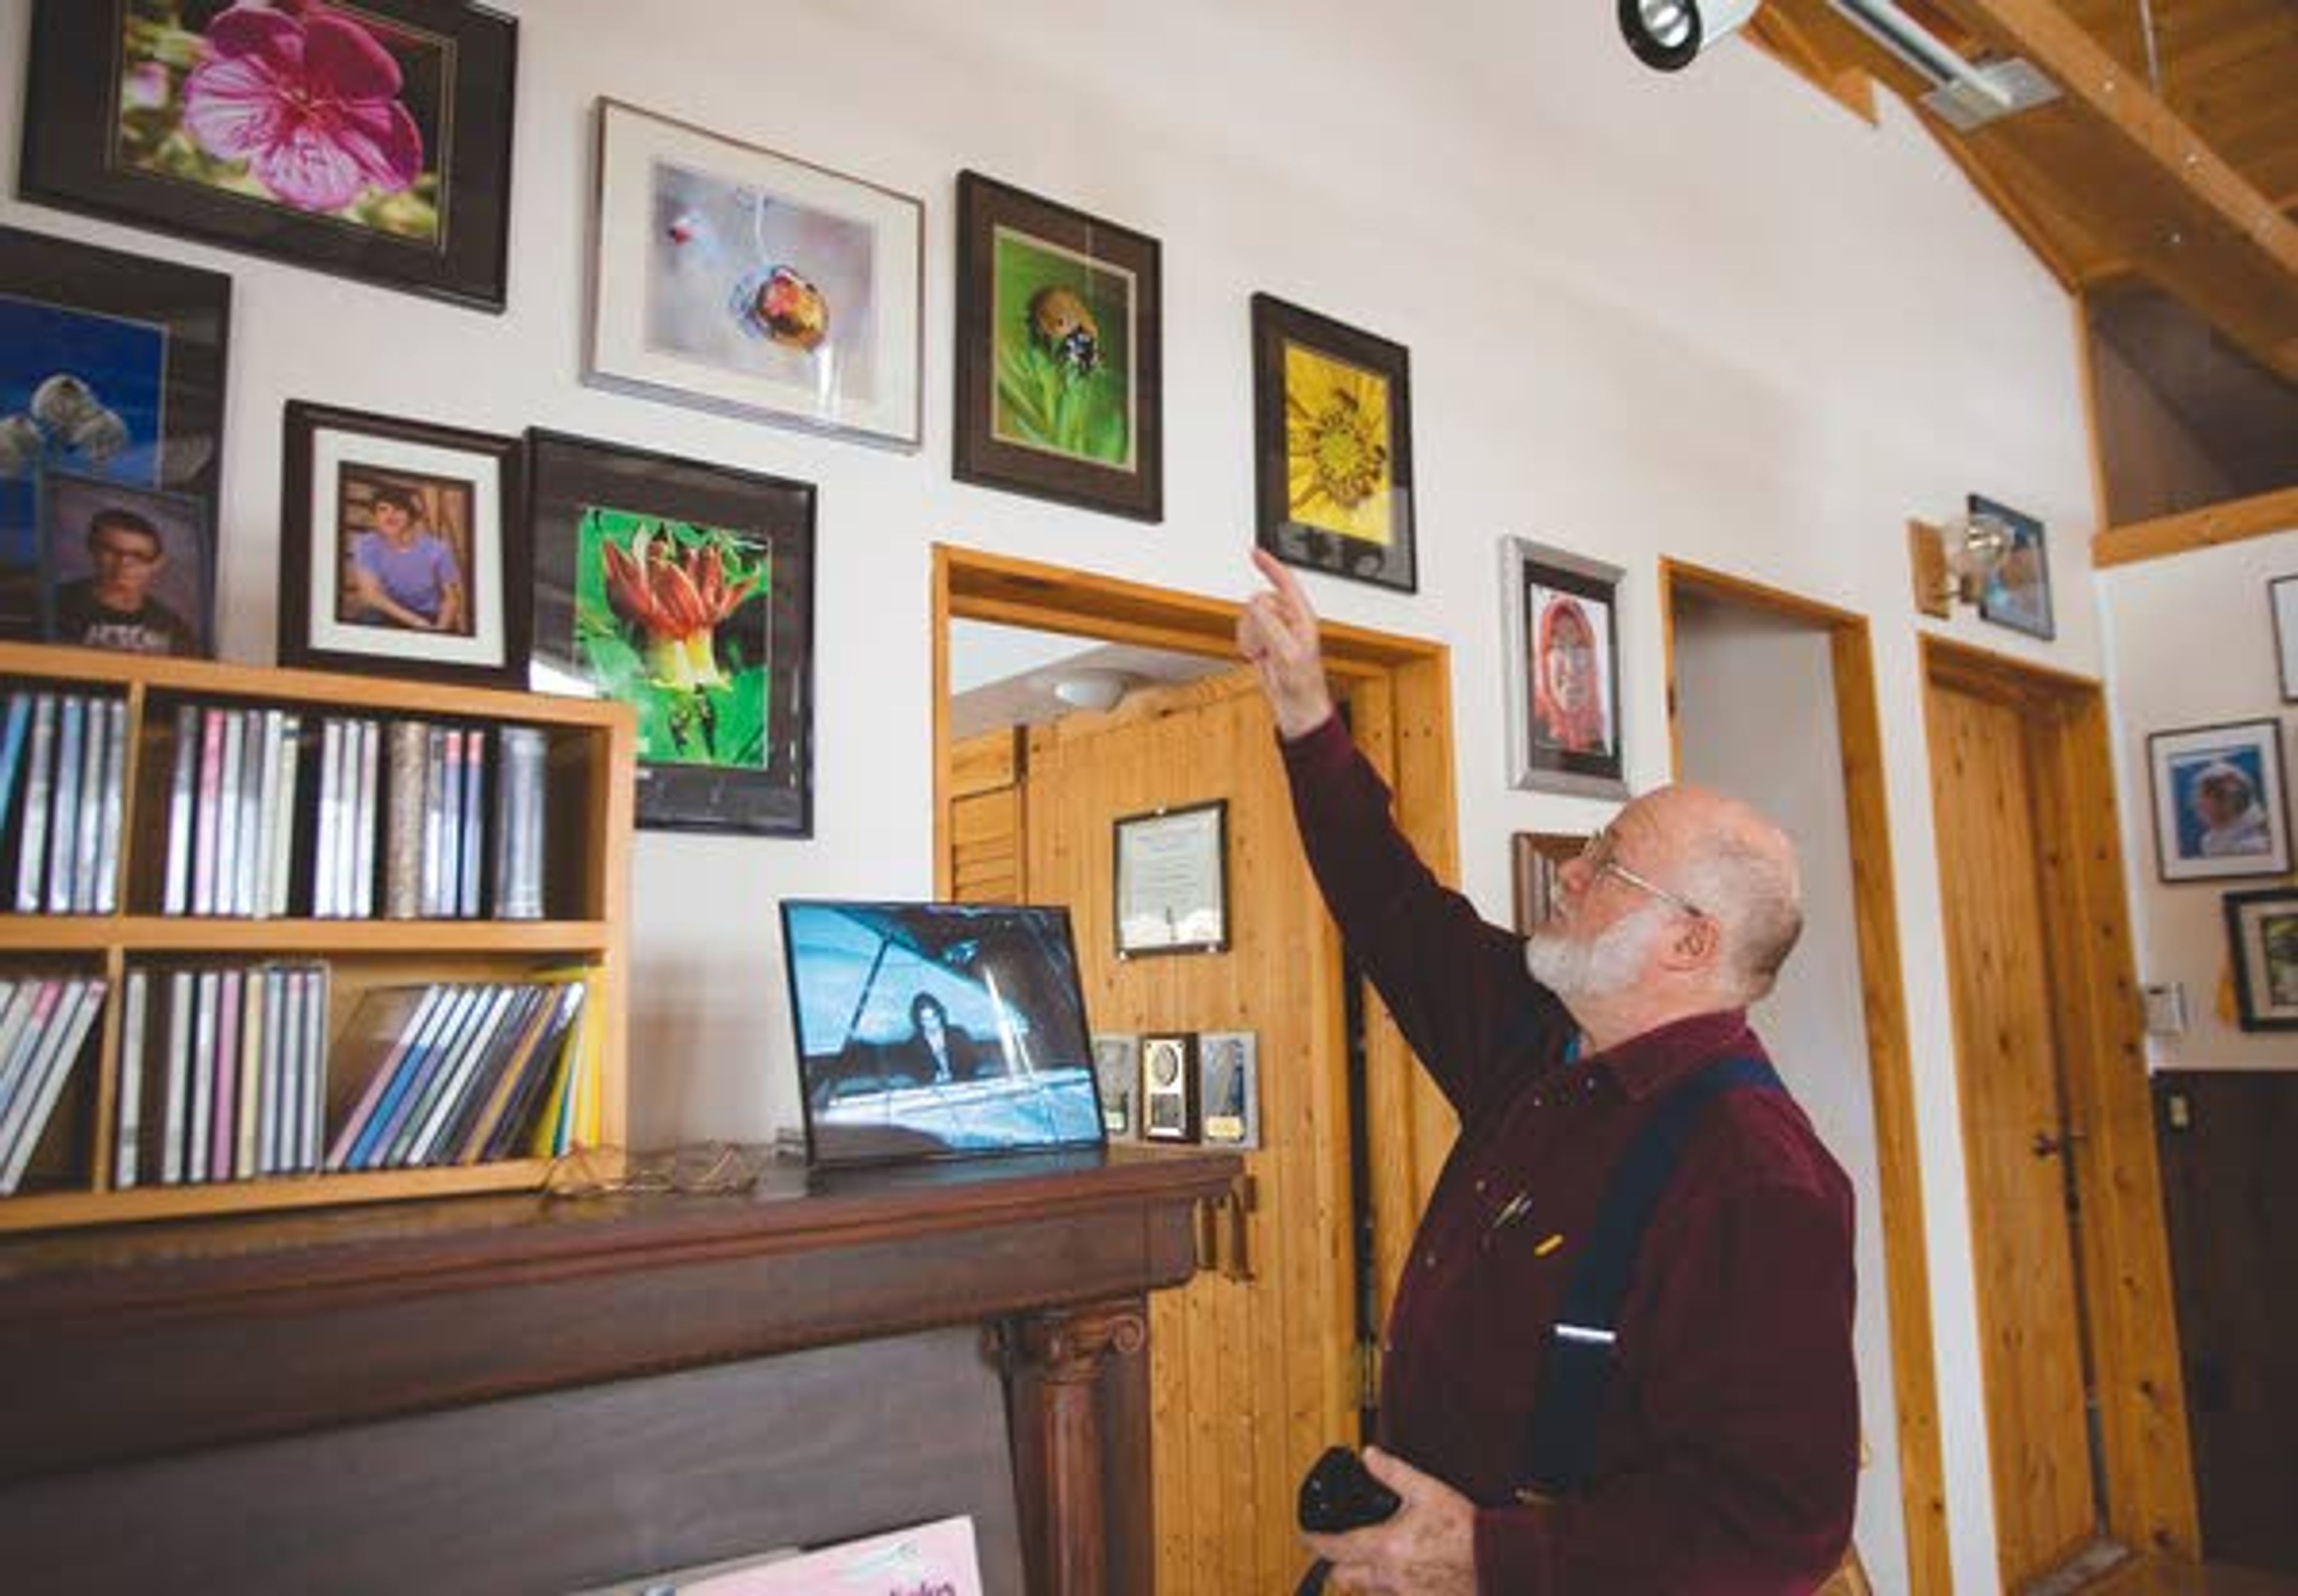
1429	1548
1277	636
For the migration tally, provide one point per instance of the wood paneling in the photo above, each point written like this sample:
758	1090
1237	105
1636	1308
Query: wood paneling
1249	1374
2258	517
2230	1186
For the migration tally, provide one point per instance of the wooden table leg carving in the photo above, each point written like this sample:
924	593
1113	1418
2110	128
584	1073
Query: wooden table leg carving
1082	1450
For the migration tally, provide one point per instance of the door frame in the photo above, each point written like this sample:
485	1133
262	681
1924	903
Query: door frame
2095	1012
1891	1083
1400	691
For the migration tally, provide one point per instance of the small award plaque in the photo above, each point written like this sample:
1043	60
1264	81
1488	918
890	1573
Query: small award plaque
1168	1088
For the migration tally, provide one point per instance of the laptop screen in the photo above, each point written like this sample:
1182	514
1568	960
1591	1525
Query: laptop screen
938	1030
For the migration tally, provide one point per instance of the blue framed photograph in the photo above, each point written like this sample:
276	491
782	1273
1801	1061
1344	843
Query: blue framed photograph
111	370
2017	594
2220	807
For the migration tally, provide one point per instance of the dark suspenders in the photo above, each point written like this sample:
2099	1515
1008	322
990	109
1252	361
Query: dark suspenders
1576	1368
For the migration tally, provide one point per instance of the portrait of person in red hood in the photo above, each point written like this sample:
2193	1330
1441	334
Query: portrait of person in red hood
1569	709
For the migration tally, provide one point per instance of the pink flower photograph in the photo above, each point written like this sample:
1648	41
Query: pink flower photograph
328	110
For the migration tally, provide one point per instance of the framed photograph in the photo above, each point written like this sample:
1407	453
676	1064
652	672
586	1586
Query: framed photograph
401	551
1168	1088
1536	857
2263	933
2282	595
111	367
369	137
1059	353
1563	634
684	589
1172	881
2220	808
1117	1065
2017	594
129	569
1228	1097
1332	410
739	279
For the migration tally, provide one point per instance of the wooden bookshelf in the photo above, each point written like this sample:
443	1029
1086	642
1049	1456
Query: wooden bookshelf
589	787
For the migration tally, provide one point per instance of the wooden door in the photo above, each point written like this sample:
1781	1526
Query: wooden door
1996	915
1251	1363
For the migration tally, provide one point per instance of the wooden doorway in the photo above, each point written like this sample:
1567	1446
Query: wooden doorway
1847	656
2086	1415
1253	1367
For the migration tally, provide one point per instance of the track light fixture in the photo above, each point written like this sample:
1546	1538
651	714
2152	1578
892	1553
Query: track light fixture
1668	34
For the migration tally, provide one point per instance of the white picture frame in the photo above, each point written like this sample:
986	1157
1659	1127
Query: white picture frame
736	279
1567	736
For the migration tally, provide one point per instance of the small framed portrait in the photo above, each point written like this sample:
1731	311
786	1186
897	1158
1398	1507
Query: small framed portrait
402	548
739	279
1536	857
129	569
2017	594
1229	1096
1332	408
1059	369
2282	597
2220	807
2262	934
1172	881
1117	1068
1168	1088
684	589
112	368
368	138
1563	629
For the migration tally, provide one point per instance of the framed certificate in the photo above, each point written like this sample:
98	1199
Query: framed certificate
1172	881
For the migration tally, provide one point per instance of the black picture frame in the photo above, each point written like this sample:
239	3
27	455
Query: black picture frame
177	614
1565	731
109	81
2017	594
754	724
1171	865
2221	801
2262	942
470	487
1347	385
156	338
1059	330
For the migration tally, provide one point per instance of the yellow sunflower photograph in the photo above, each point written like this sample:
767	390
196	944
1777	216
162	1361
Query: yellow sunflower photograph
1335	445
1332	446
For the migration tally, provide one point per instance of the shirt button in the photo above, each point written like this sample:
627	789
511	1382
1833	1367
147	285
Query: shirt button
1428	1259
1482	1186
1535	1102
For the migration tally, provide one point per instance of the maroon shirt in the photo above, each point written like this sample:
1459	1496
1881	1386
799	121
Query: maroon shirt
1727	1451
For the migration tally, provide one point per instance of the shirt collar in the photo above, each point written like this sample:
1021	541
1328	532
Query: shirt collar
1658	1058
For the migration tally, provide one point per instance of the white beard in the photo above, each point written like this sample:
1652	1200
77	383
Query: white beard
1571	967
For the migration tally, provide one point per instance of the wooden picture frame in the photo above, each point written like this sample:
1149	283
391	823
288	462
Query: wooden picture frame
2221	807
1059	366
1535	858
369	505
1170	867
159	113
2262	941
1332	408
778	288
724	700
1562	620
2017	594
111	366
2282	601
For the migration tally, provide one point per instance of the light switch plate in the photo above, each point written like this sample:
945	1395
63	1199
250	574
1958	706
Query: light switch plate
2166	1009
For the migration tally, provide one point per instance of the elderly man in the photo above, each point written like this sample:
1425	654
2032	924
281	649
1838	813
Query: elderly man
1699	1432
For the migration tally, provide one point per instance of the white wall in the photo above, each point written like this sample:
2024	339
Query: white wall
1756	705
2189	642
1710	315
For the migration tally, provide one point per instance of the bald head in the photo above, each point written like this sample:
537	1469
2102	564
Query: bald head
1739	869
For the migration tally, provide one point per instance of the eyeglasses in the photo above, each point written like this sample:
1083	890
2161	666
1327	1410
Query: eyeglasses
1597	856
107	550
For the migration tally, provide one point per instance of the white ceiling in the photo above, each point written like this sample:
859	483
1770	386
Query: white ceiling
1005	676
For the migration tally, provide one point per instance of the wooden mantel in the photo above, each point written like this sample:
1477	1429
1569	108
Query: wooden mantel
523	1392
